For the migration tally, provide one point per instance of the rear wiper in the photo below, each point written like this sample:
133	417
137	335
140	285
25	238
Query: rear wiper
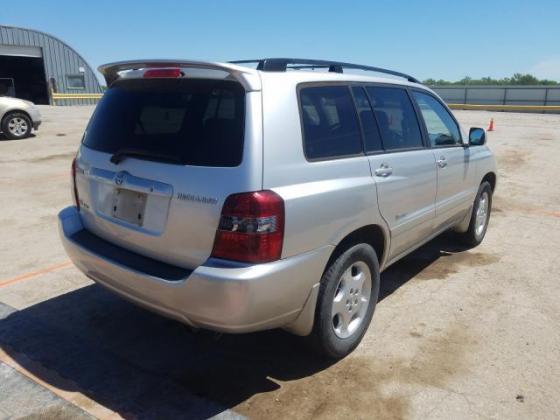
122	154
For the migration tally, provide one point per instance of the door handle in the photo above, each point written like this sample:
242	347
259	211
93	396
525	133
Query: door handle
383	171
441	162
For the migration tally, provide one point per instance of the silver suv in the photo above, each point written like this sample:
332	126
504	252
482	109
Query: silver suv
240	199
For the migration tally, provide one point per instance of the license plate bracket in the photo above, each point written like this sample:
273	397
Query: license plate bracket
129	206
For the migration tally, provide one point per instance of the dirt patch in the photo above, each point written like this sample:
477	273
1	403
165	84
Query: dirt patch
510	160
518	207
364	387
59	412
53	157
498	205
451	263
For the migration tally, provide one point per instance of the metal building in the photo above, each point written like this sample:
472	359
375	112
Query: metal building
35	65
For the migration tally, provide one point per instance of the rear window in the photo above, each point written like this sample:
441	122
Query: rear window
200	122
330	125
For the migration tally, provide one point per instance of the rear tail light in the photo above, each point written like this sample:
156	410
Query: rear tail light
74	187
251	228
162	73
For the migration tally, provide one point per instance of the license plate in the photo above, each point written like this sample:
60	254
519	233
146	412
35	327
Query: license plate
129	206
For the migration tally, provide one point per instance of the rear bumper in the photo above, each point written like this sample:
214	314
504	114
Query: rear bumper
217	295
36	125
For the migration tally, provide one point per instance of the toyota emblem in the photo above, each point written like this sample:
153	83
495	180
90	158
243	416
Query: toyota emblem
120	177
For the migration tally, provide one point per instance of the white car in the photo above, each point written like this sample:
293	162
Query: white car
18	117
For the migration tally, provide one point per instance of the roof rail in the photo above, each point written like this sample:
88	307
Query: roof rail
281	64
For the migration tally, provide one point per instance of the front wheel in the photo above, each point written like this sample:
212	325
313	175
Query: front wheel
16	125
346	302
480	216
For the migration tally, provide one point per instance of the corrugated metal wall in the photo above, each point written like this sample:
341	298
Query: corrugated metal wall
60	60
500	95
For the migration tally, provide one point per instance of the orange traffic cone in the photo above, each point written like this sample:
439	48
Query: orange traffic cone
491	126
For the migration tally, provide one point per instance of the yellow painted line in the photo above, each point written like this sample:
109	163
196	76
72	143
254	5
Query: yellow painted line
506	107
46	377
37	273
78	97
75	95
70	96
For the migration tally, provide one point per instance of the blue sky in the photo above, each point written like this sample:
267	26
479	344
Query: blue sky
429	38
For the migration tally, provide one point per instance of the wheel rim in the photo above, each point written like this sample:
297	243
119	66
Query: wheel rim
482	213
18	126
351	299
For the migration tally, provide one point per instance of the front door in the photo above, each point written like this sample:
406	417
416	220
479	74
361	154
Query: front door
452	159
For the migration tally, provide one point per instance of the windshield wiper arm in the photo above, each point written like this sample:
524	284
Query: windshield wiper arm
122	154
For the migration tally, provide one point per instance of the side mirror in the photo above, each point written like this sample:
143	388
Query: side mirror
477	136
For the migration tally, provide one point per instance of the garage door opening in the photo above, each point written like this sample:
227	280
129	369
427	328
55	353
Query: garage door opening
28	74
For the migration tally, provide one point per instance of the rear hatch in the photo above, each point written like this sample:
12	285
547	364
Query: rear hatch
158	159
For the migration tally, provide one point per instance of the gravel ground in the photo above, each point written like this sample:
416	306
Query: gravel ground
457	334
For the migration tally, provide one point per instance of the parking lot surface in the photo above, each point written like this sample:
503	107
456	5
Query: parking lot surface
458	333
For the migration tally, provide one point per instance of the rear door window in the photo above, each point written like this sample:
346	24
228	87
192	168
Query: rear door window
442	128
329	121
200	122
396	117
372	137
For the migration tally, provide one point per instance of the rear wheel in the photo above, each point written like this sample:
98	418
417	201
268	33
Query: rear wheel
346	302
16	125
480	216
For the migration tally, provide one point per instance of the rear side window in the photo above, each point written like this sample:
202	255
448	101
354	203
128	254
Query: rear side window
442	129
201	122
396	118
372	137
330	126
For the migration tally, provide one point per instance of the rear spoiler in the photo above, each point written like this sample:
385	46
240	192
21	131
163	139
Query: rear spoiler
248	77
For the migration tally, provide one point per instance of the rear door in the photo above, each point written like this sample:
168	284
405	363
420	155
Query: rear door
403	168
452	159
158	160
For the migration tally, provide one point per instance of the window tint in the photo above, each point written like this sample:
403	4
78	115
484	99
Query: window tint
372	138
396	117
442	130
198	121
330	126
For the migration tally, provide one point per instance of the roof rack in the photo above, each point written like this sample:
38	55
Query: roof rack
281	64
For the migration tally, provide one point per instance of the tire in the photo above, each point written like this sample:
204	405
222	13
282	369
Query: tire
480	216
16	125
340	322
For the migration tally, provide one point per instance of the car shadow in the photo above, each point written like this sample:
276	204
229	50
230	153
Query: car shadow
415	263
4	138
139	364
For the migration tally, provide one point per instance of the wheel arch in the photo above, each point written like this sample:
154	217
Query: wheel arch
491	178
14	111
372	234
